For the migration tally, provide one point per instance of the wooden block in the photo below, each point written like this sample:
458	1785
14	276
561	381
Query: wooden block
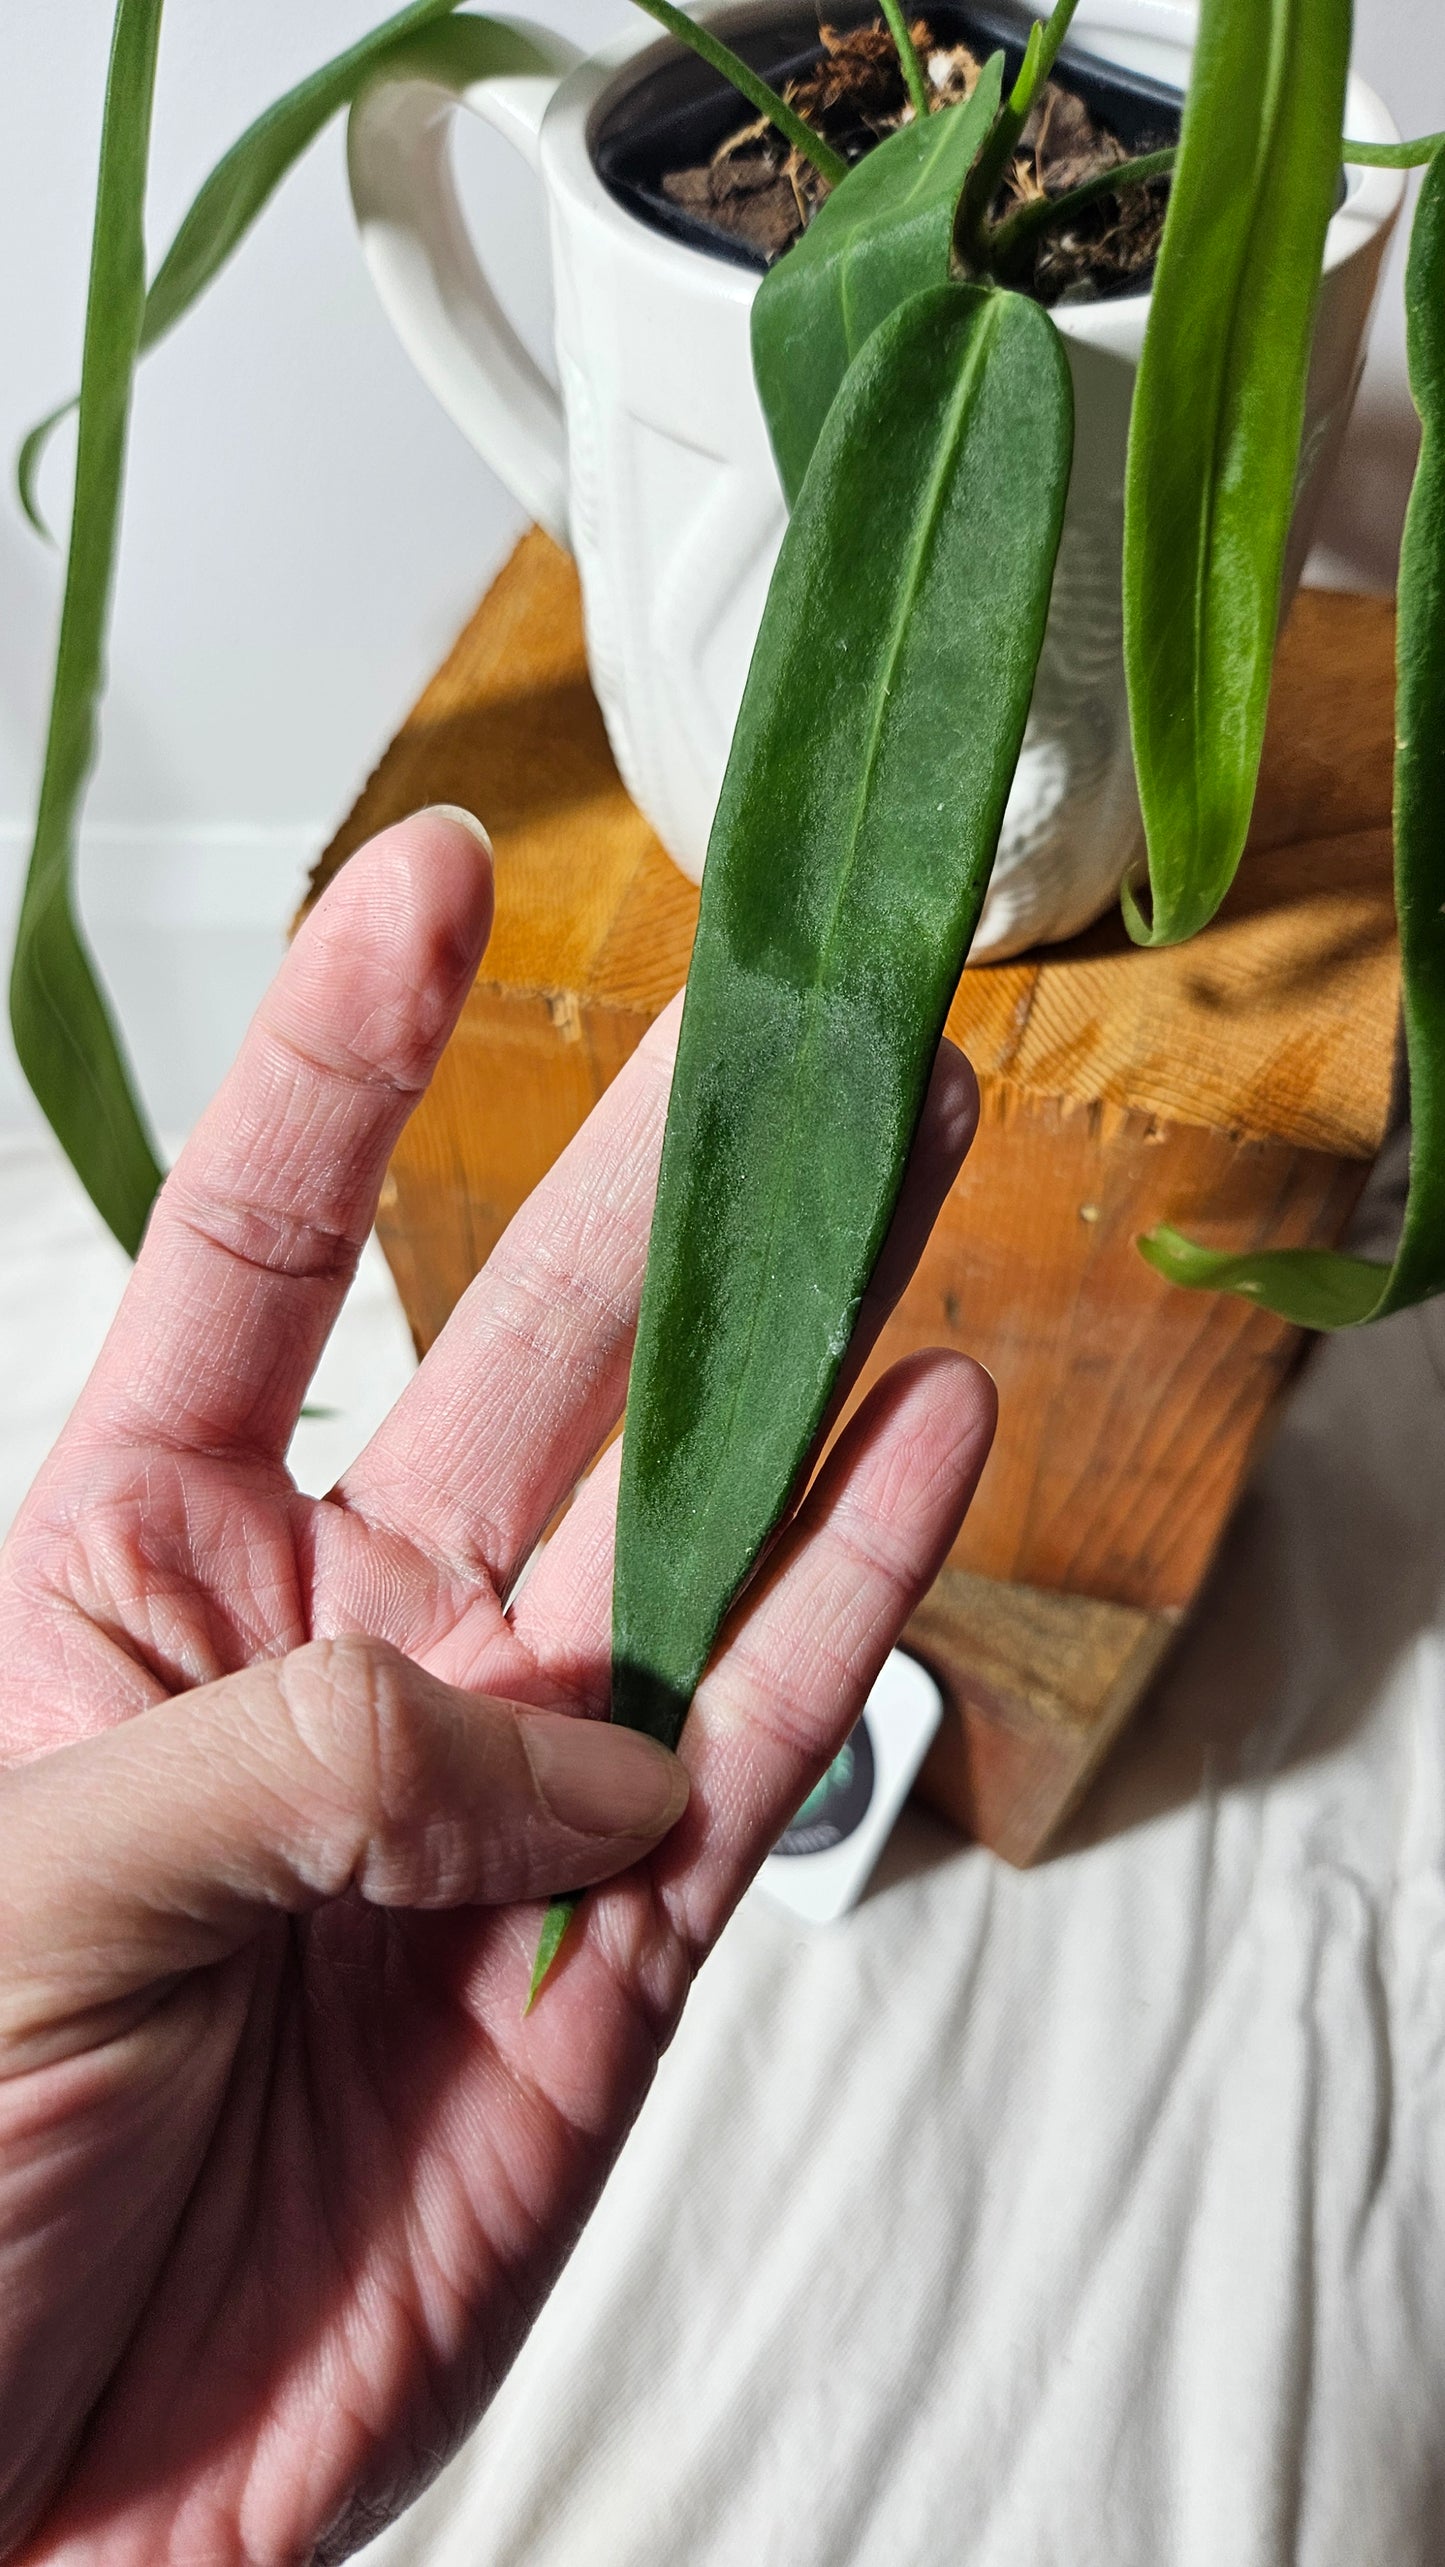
1238	1086
1037	1688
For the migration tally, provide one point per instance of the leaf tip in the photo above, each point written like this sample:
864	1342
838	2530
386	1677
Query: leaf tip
549	1943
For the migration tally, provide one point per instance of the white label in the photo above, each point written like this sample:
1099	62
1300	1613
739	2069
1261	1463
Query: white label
821	1866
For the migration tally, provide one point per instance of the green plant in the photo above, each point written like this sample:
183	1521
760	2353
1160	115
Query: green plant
919	411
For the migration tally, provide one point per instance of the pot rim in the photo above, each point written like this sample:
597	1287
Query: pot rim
586	94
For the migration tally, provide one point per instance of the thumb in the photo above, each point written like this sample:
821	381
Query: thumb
158	1846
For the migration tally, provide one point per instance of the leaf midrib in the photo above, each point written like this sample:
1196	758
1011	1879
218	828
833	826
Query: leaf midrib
906	594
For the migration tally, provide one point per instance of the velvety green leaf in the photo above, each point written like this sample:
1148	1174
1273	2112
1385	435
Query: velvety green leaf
884	234
848	863
242	184
1215	439
847	866
1314	1288
63	1031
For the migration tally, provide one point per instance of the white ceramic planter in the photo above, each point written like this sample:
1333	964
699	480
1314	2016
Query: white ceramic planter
655	466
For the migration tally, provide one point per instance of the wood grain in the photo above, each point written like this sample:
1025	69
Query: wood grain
1036	1689
1238	1086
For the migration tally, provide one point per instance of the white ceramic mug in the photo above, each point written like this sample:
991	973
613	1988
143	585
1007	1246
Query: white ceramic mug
654	465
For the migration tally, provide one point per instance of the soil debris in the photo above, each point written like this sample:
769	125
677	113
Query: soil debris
758	189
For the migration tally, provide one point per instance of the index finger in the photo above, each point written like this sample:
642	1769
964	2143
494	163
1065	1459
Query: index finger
255	1236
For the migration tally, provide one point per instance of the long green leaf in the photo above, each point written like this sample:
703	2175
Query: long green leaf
1215	437
883	235
63	1031
244	181
847	866
1313	1287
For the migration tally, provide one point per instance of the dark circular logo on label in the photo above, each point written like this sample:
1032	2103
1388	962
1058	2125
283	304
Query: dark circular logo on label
836	1805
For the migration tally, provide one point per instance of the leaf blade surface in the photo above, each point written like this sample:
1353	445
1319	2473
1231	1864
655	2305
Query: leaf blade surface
1215	434
884	233
848	864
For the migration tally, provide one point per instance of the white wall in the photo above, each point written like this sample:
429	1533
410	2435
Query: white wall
304	530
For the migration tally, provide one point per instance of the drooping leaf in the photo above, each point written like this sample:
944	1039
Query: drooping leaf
1315	1288
64	1036
884	234
847	866
242	183
1215	437
64	1033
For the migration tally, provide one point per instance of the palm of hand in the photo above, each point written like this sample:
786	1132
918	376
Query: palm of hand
310	2195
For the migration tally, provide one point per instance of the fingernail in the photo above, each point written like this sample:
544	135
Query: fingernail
464	819
601	1780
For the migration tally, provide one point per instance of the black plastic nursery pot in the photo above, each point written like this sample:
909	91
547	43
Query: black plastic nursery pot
677	110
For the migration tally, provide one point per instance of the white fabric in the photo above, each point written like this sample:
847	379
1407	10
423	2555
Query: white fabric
1084	2218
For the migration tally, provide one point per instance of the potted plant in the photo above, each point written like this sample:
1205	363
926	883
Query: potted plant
921	407
655	467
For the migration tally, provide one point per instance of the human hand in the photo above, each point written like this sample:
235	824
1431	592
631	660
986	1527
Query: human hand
284	2173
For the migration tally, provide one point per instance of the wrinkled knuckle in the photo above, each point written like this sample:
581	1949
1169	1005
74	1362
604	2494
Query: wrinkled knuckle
872	1538
384	1047
774	1703
270	1239
351	1702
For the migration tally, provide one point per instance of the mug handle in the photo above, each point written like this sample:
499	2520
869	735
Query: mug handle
430	280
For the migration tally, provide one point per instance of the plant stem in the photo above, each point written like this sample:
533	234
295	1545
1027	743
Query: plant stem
1040	56
1039	59
913	73
1391	155
720	57
1020	230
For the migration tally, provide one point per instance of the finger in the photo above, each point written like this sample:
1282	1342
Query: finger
255	1237
946	1130
156	1847
802	1651
529	1376
563	1613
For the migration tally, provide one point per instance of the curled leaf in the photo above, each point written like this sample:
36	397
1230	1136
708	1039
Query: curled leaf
1312	1287
1215	434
